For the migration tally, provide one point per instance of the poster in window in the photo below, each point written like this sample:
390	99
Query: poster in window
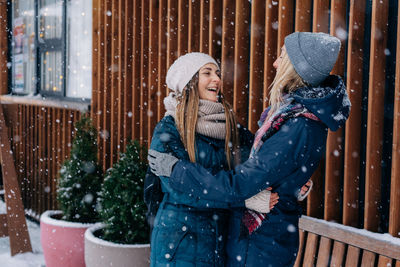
19	73
18	35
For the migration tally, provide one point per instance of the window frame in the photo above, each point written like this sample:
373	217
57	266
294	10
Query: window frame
54	44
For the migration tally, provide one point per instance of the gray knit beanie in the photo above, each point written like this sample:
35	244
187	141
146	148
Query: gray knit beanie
313	55
183	69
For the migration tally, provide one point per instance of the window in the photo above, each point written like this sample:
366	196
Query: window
51	48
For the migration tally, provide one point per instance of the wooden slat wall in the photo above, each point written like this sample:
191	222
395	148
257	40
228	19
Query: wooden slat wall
133	50
41	140
3	47
134	43
376	96
394	219
352	155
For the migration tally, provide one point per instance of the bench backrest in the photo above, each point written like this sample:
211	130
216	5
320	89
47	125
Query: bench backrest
325	243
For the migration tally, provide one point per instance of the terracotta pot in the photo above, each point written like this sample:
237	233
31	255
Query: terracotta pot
101	253
62	241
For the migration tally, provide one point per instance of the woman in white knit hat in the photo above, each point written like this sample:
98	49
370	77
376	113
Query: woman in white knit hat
305	101
199	126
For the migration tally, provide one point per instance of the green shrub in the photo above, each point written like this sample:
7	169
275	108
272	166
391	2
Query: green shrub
80	176
122	208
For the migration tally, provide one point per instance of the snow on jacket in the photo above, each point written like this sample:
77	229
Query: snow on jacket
190	230
285	161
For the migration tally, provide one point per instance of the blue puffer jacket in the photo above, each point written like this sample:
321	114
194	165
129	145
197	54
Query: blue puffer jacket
285	161
190	230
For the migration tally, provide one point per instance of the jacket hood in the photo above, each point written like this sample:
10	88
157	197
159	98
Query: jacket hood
328	101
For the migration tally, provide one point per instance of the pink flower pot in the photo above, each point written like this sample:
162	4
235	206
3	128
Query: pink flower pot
62	241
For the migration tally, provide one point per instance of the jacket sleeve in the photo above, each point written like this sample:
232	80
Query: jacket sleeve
280	155
246	141
166	139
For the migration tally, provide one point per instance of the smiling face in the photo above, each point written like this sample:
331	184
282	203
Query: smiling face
209	82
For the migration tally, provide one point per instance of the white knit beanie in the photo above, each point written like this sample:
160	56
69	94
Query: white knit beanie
184	68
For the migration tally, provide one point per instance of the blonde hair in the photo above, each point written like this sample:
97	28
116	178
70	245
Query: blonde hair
186	116
286	81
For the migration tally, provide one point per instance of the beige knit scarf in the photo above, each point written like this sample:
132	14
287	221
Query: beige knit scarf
210	120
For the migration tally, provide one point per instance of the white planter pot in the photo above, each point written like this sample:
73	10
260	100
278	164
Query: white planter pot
101	253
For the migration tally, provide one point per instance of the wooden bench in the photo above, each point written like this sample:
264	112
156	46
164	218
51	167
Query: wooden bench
325	243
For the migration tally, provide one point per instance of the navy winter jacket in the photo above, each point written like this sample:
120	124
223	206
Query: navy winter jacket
285	161
189	230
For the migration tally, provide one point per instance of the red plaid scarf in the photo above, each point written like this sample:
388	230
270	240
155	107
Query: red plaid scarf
252	220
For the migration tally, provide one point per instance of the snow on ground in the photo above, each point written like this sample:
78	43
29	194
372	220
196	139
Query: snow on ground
34	259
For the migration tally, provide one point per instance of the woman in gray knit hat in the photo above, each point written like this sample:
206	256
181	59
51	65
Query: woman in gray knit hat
199	126
305	101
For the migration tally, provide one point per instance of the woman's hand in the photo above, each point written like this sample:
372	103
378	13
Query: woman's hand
161	164
273	199
263	201
305	190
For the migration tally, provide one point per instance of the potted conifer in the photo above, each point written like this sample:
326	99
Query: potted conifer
80	178
122	238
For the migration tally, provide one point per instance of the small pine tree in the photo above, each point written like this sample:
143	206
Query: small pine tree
122	208
80	176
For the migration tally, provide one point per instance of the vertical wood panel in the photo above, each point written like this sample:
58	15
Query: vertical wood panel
25	151
310	250
257	39
3	47
303	16
384	262
300	253
59	157
228	51
152	70
105	132
115	70
324	252
172	29
97	72
285	21
128	68
376	95
183	29
321	16
352	256
96	66
194	26
136	69
144	71
53	162
36	112
334	144
394	217
352	156
241	59
162	59
204	26
271	42
215	29
121	95
338	254
48	160
368	259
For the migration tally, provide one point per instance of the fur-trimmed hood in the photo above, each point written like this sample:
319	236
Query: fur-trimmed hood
328	101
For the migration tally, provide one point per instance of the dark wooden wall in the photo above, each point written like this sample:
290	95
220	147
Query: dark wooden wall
134	43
